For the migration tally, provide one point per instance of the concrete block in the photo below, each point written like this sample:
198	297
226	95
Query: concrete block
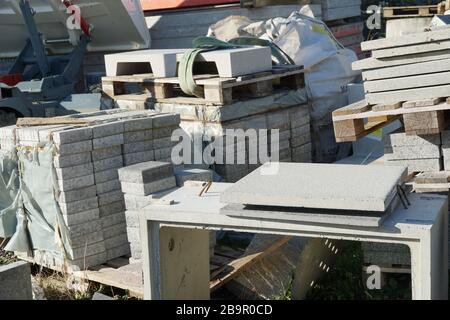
101	297
148	188
81	217
137	124
137	136
409	82
412	152
183	175
76	183
73	148
162	143
15	279
300	131
112	209
109	163
390	97
135	202
88	239
304	151
162	63
130	159
113	219
86	250
78	206
72	135
146	172
403	140
166	120
305	215
164	153
137	147
108	186
77	194
115	230
117	252
74	172
107	129
110	197
72	160
109	141
163	132
300	141
83	229
321	186
420	165
107	175
102	154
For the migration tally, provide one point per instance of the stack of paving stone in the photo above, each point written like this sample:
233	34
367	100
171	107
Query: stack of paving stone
407	68
418	153
86	161
140	181
339	9
277	112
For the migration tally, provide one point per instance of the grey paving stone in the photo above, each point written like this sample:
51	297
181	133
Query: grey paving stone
15	279
83	229
108	186
81	217
112	208
130	159
149	188
137	136
86	250
109	163
116	241
77	194
109	141
72	160
166	120
163	153
322	186
163	132
72	135
74	172
88	239
137	147
73	148
117	252
76	183
114	230
412	152
78	206
107	175
138	124
107	129
101	154
146	172
113	219
403	140
110	197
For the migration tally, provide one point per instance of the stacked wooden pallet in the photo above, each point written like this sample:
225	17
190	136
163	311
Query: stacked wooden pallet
407	78
414	11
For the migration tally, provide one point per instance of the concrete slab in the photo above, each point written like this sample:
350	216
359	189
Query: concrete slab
15	279
413	152
400	139
419	165
163	63
411	49
146	172
149	188
389	97
319	216
322	186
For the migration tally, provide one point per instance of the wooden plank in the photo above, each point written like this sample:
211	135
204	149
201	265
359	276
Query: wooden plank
357	107
424	123
400	111
384	107
368	129
246	262
29	122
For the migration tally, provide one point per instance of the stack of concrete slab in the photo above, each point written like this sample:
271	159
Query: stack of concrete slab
140	181
408	68
339	9
86	161
297	192
204	123
418	153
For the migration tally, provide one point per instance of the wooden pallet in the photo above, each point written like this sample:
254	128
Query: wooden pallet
225	265
413	11
216	90
419	117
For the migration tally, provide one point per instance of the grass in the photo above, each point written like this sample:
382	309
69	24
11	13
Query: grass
6	257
